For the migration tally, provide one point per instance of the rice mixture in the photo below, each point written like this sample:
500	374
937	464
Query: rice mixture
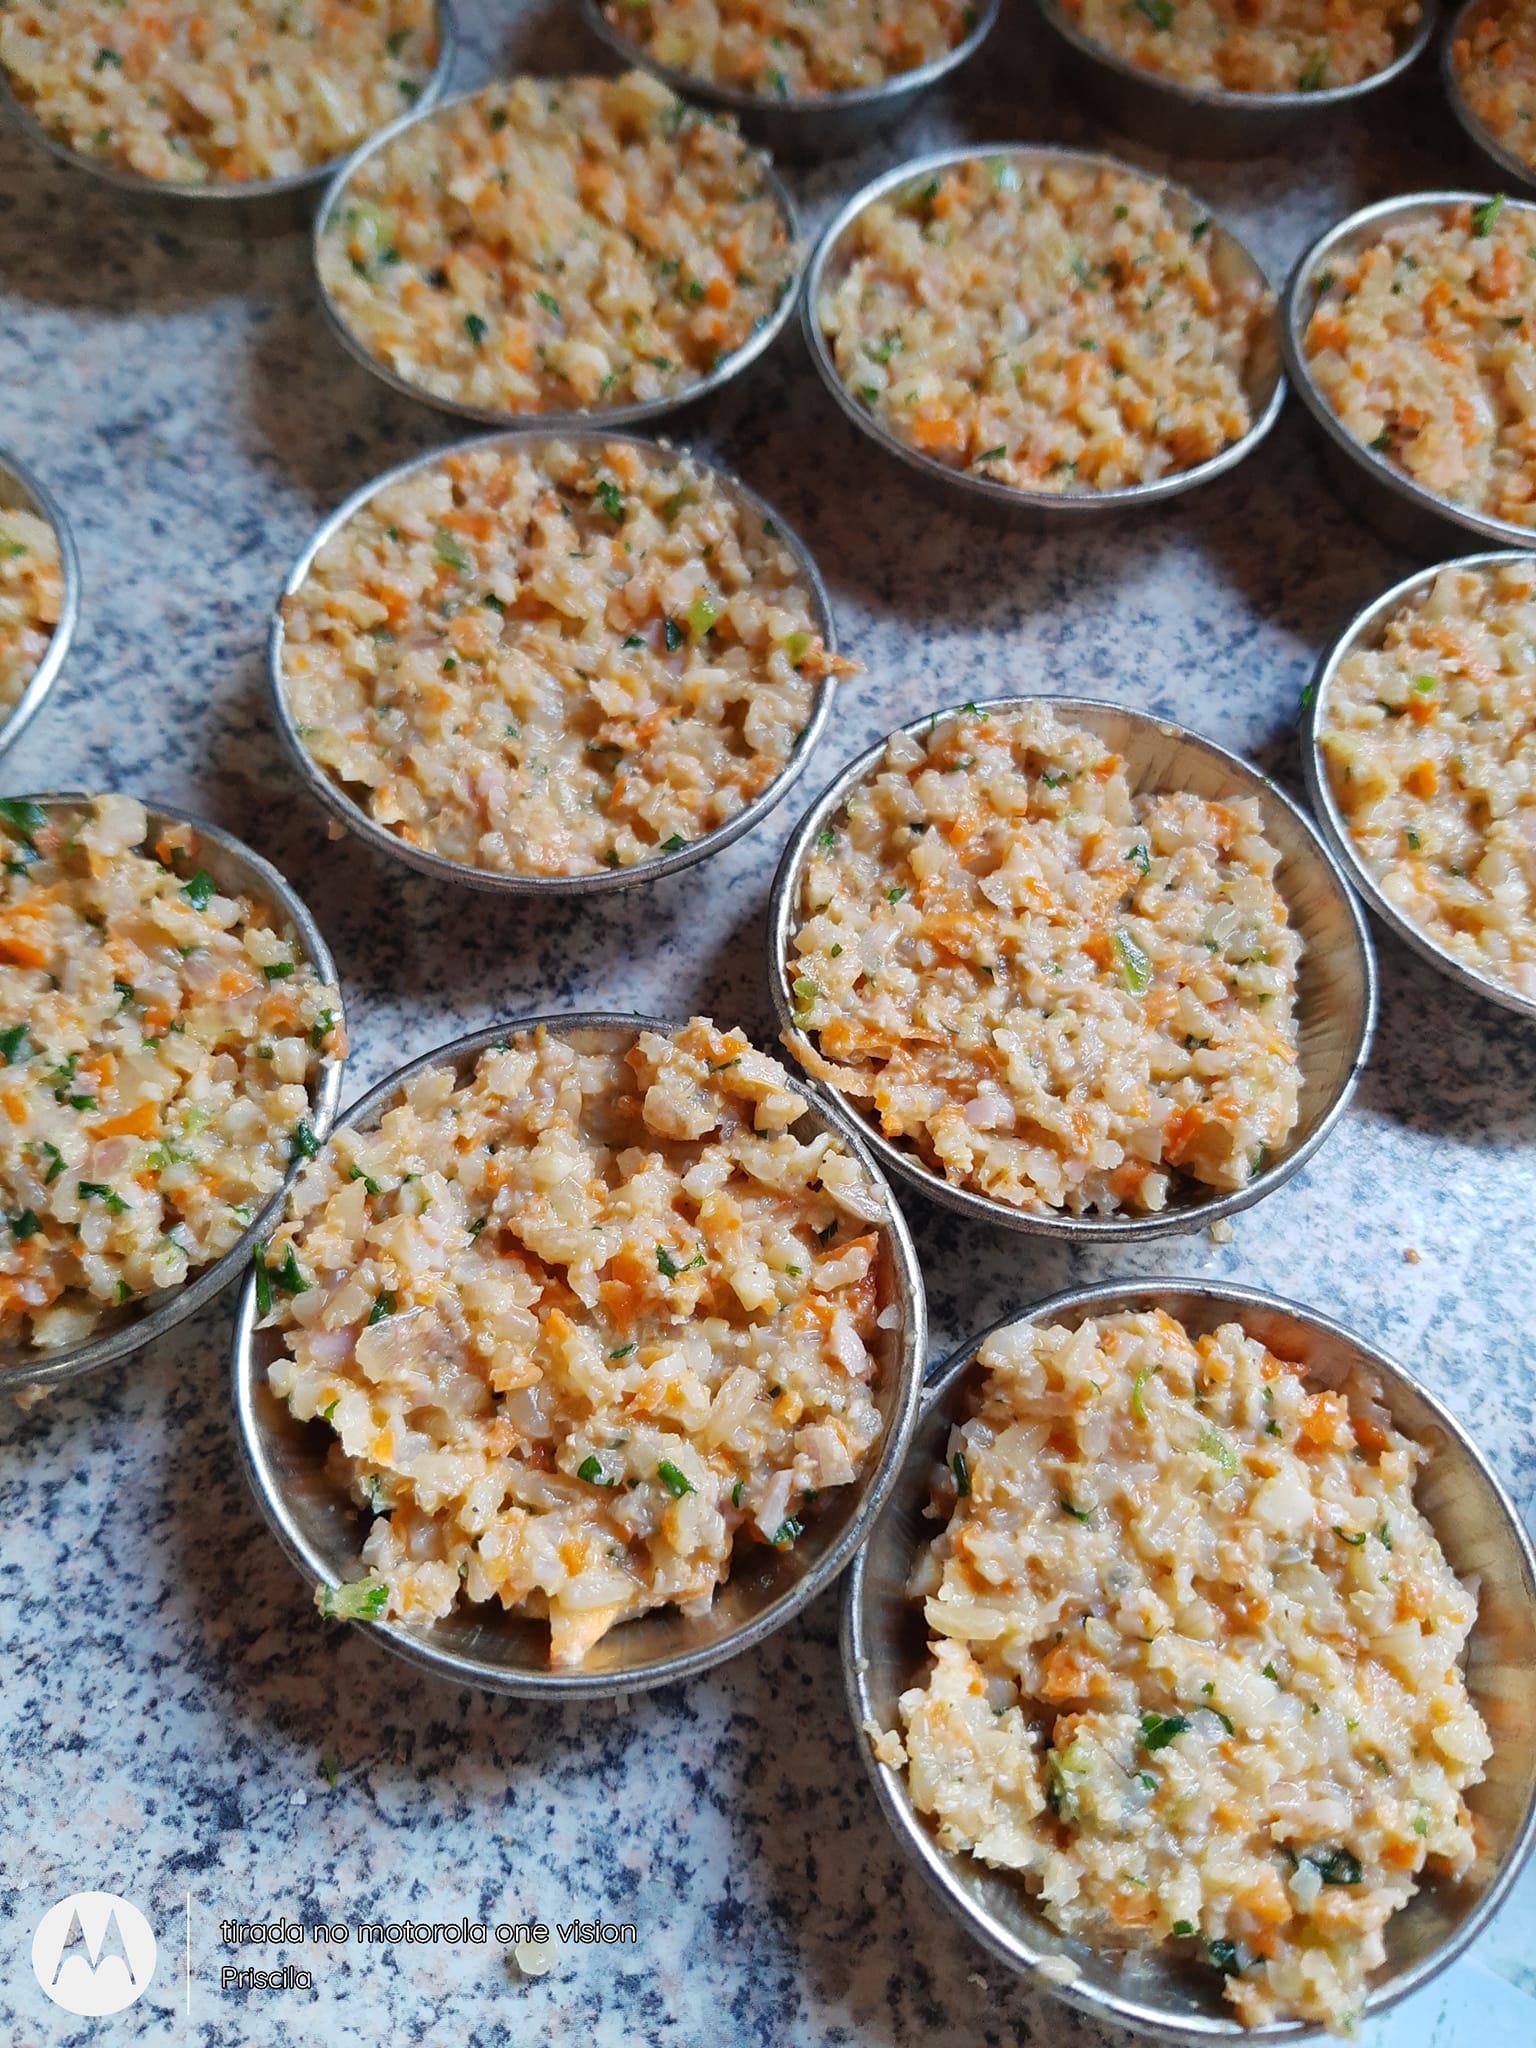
582	1323
1055	993
556	245
31	599
1196	1658
1425	346
160	1044
1430	740
1053	329
1257	46
200	91
1496	69
542	661
793	49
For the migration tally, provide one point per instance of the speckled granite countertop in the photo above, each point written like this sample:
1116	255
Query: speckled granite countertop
169	1693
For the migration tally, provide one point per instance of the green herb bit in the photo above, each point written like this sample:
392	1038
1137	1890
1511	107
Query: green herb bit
23	816
702	614
1183	1928
675	844
1223	1955
24	1226
106	56
304	1143
962	1472
384	1305
590	1469
737	1491
263	1281
357	1173
1314	71
1158	12
1077	1514
89	1190
11	1042
677	1483
894	895
288	1277
1484	216
1135	967
668	1266
448	551
623	1351
785	1533
55	1159
612	500
366	1600
1335	1866
1140	858
475	328
199	890
1382	442
826	839
1353	1541
996	454
1215	1446
320	1030
672	635
1158	1730
279	970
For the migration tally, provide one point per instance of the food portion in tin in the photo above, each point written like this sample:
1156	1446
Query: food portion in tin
1251	46
1050	991
1495	60
558	245
196	92
1054	327
547	659
31	599
793	49
584	1323
160	1046
1424	344
1196	1669
1430	742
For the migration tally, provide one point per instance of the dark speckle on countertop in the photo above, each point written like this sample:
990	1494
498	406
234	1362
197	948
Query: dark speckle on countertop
173	1709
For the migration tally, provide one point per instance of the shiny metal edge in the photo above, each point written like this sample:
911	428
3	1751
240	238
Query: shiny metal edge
1364	630
1046	507
1499	159
1192	1215
643	410
917	1842
438	866
815	122
225	193
416	1645
19	486
1420	514
256	876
